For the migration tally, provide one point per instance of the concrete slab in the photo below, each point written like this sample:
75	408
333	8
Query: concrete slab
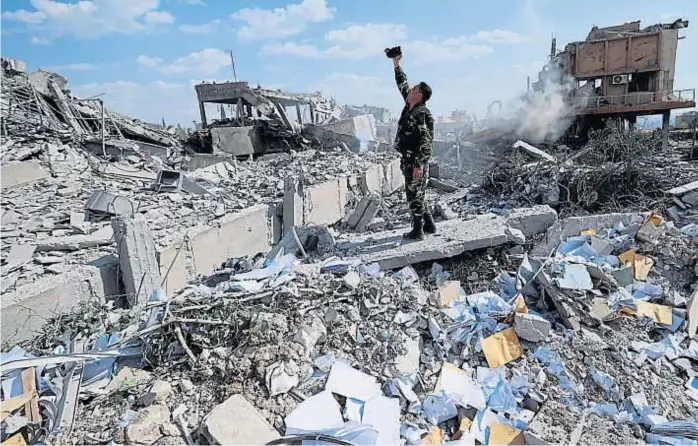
454	237
18	174
358	212
371	181
137	257
322	204
237	422
293	203
393	179
239	234
533	220
103	236
173	259
686	188
19	256
693	313
26	309
237	141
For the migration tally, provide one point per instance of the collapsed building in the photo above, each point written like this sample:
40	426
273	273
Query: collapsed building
272	121
154	294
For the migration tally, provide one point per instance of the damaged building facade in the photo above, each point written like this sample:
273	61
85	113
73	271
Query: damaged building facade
622	71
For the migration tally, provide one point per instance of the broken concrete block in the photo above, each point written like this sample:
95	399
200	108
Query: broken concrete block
691	199
447	292
145	429
237	422
18	174
352	279
237	141
441	185
686	188
538	153
455	237
674	213
533	220
623	276
530	327
19	256
602	246
137	257
693	313
409	362
364	214
444	211
101	237
371	181
293	203
650	233
27	308
162	390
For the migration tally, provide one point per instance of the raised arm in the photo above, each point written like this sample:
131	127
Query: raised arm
425	126
401	78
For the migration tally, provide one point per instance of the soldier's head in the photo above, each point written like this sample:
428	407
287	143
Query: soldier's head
420	93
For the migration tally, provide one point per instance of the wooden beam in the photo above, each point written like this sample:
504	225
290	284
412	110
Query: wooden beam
31	409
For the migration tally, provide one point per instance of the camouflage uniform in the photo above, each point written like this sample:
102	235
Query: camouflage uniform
414	141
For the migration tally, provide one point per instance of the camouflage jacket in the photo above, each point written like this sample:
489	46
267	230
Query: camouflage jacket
415	129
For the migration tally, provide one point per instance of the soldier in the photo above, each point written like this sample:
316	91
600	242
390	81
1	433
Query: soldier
414	141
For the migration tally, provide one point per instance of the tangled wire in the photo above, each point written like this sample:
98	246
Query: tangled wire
618	170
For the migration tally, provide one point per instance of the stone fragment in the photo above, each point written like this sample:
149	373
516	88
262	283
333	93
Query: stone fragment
237	422
352	279
530	327
145	429
409	362
446	293
162	390
691	199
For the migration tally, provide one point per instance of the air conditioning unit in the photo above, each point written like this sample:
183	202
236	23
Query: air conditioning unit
620	79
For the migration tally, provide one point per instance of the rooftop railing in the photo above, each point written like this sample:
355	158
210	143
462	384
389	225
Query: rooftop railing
637	98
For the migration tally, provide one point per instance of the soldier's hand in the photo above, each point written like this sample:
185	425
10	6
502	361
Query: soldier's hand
396	60
417	173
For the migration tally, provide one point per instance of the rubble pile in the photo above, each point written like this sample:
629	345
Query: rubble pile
586	338
616	171
41	99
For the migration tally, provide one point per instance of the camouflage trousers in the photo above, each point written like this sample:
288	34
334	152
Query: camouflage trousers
415	190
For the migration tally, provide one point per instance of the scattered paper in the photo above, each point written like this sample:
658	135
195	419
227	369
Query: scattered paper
384	415
576	277
501	348
660	313
434	438
520	305
502	434
640	264
318	412
460	386
351	383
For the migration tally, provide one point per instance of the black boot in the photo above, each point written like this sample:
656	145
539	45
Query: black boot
429	226
417	232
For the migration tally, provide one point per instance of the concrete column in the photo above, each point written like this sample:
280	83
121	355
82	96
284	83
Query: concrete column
293	203
665	129
202	111
140	271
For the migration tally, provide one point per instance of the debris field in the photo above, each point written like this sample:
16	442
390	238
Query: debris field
158	288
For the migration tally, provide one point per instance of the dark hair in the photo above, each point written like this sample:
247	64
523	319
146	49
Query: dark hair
426	91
